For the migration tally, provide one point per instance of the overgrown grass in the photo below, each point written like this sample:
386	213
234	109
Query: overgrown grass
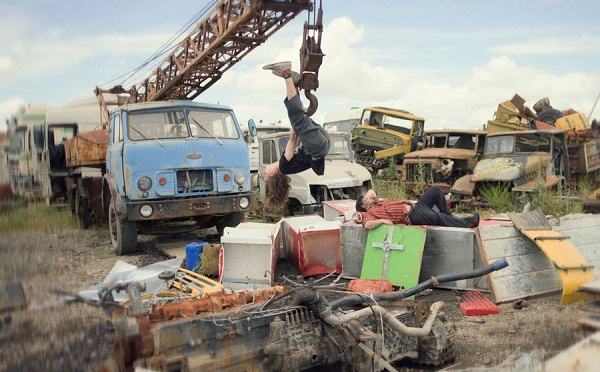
557	202
35	216
498	196
421	181
390	189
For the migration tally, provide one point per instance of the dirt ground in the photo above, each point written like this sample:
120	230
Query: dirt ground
54	337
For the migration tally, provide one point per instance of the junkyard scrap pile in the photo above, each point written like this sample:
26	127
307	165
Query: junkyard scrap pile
279	321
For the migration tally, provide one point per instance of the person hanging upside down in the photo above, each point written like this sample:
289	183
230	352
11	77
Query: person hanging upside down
306	148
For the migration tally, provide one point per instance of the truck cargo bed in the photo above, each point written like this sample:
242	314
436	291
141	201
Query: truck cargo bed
87	149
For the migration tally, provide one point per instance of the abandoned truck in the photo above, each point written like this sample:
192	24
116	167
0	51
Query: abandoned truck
343	178
385	135
168	167
447	156
521	161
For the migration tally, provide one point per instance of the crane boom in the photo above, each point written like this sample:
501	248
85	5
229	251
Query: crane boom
230	31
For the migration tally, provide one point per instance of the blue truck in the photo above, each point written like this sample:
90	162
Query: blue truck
169	166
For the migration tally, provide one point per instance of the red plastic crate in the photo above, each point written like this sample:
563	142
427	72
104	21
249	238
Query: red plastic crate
369	286
475	303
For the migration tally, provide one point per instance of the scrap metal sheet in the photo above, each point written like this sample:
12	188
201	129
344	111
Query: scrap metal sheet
572	268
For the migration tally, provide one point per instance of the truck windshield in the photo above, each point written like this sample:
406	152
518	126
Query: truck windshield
499	145
172	124
156	125
210	124
523	143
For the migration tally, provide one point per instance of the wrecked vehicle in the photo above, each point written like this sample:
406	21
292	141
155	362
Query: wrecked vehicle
447	156
343	178
385	135
282	329
518	160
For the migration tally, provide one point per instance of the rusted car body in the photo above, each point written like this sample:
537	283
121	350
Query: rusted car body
447	156
519	160
384	134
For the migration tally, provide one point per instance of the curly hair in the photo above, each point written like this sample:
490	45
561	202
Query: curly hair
359	204
277	190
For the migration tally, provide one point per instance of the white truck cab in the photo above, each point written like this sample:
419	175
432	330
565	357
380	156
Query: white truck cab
343	178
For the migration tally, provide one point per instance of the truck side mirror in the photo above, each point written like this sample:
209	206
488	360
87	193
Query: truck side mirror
252	127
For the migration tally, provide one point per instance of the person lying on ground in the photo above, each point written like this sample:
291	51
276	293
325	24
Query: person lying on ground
430	209
306	148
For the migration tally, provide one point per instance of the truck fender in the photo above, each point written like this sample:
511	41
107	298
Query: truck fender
110	194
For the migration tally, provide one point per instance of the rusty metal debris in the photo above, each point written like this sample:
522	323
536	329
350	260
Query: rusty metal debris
282	329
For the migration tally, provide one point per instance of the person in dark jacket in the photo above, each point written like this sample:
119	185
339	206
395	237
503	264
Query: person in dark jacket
306	148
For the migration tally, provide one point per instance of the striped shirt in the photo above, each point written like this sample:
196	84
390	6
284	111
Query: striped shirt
389	209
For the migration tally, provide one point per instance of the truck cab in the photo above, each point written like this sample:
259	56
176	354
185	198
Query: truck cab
448	155
173	163
343	177
520	161
252	141
385	135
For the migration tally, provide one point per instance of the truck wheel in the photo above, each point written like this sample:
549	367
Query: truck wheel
123	233
231	220
71	198
82	213
550	116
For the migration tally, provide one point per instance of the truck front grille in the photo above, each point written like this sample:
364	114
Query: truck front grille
193	181
418	172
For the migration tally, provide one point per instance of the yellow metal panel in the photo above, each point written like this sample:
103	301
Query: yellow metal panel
571	267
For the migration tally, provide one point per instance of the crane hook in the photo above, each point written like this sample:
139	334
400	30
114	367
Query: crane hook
311	58
313	105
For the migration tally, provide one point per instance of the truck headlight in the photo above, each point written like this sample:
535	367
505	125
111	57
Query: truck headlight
240	178
146	210
244	202
144	183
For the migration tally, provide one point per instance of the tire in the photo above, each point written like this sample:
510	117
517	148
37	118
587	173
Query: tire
231	220
71	198
84	215
123	233
549	116
82	212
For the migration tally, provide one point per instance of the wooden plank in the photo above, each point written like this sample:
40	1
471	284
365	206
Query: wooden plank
584	232
173	250
529	272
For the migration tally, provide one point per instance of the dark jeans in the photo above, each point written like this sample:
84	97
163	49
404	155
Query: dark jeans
314	138
432	209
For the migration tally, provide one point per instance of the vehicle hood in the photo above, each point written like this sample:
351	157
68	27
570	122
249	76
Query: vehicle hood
506	168
459	154
338	173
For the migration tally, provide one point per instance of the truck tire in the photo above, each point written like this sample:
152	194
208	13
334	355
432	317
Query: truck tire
123	233
84	215
231	220
82	212
550	116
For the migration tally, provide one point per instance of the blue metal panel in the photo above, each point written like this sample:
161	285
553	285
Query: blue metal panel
222	184
167	189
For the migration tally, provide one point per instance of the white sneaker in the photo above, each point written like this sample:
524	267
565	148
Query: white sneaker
279	67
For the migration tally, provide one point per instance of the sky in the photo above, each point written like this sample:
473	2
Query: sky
449	61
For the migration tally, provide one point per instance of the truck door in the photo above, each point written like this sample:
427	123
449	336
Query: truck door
114	157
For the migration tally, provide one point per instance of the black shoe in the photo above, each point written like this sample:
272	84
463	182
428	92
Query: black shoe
476	219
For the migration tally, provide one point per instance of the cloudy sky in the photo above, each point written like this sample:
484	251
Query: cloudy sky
450	61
